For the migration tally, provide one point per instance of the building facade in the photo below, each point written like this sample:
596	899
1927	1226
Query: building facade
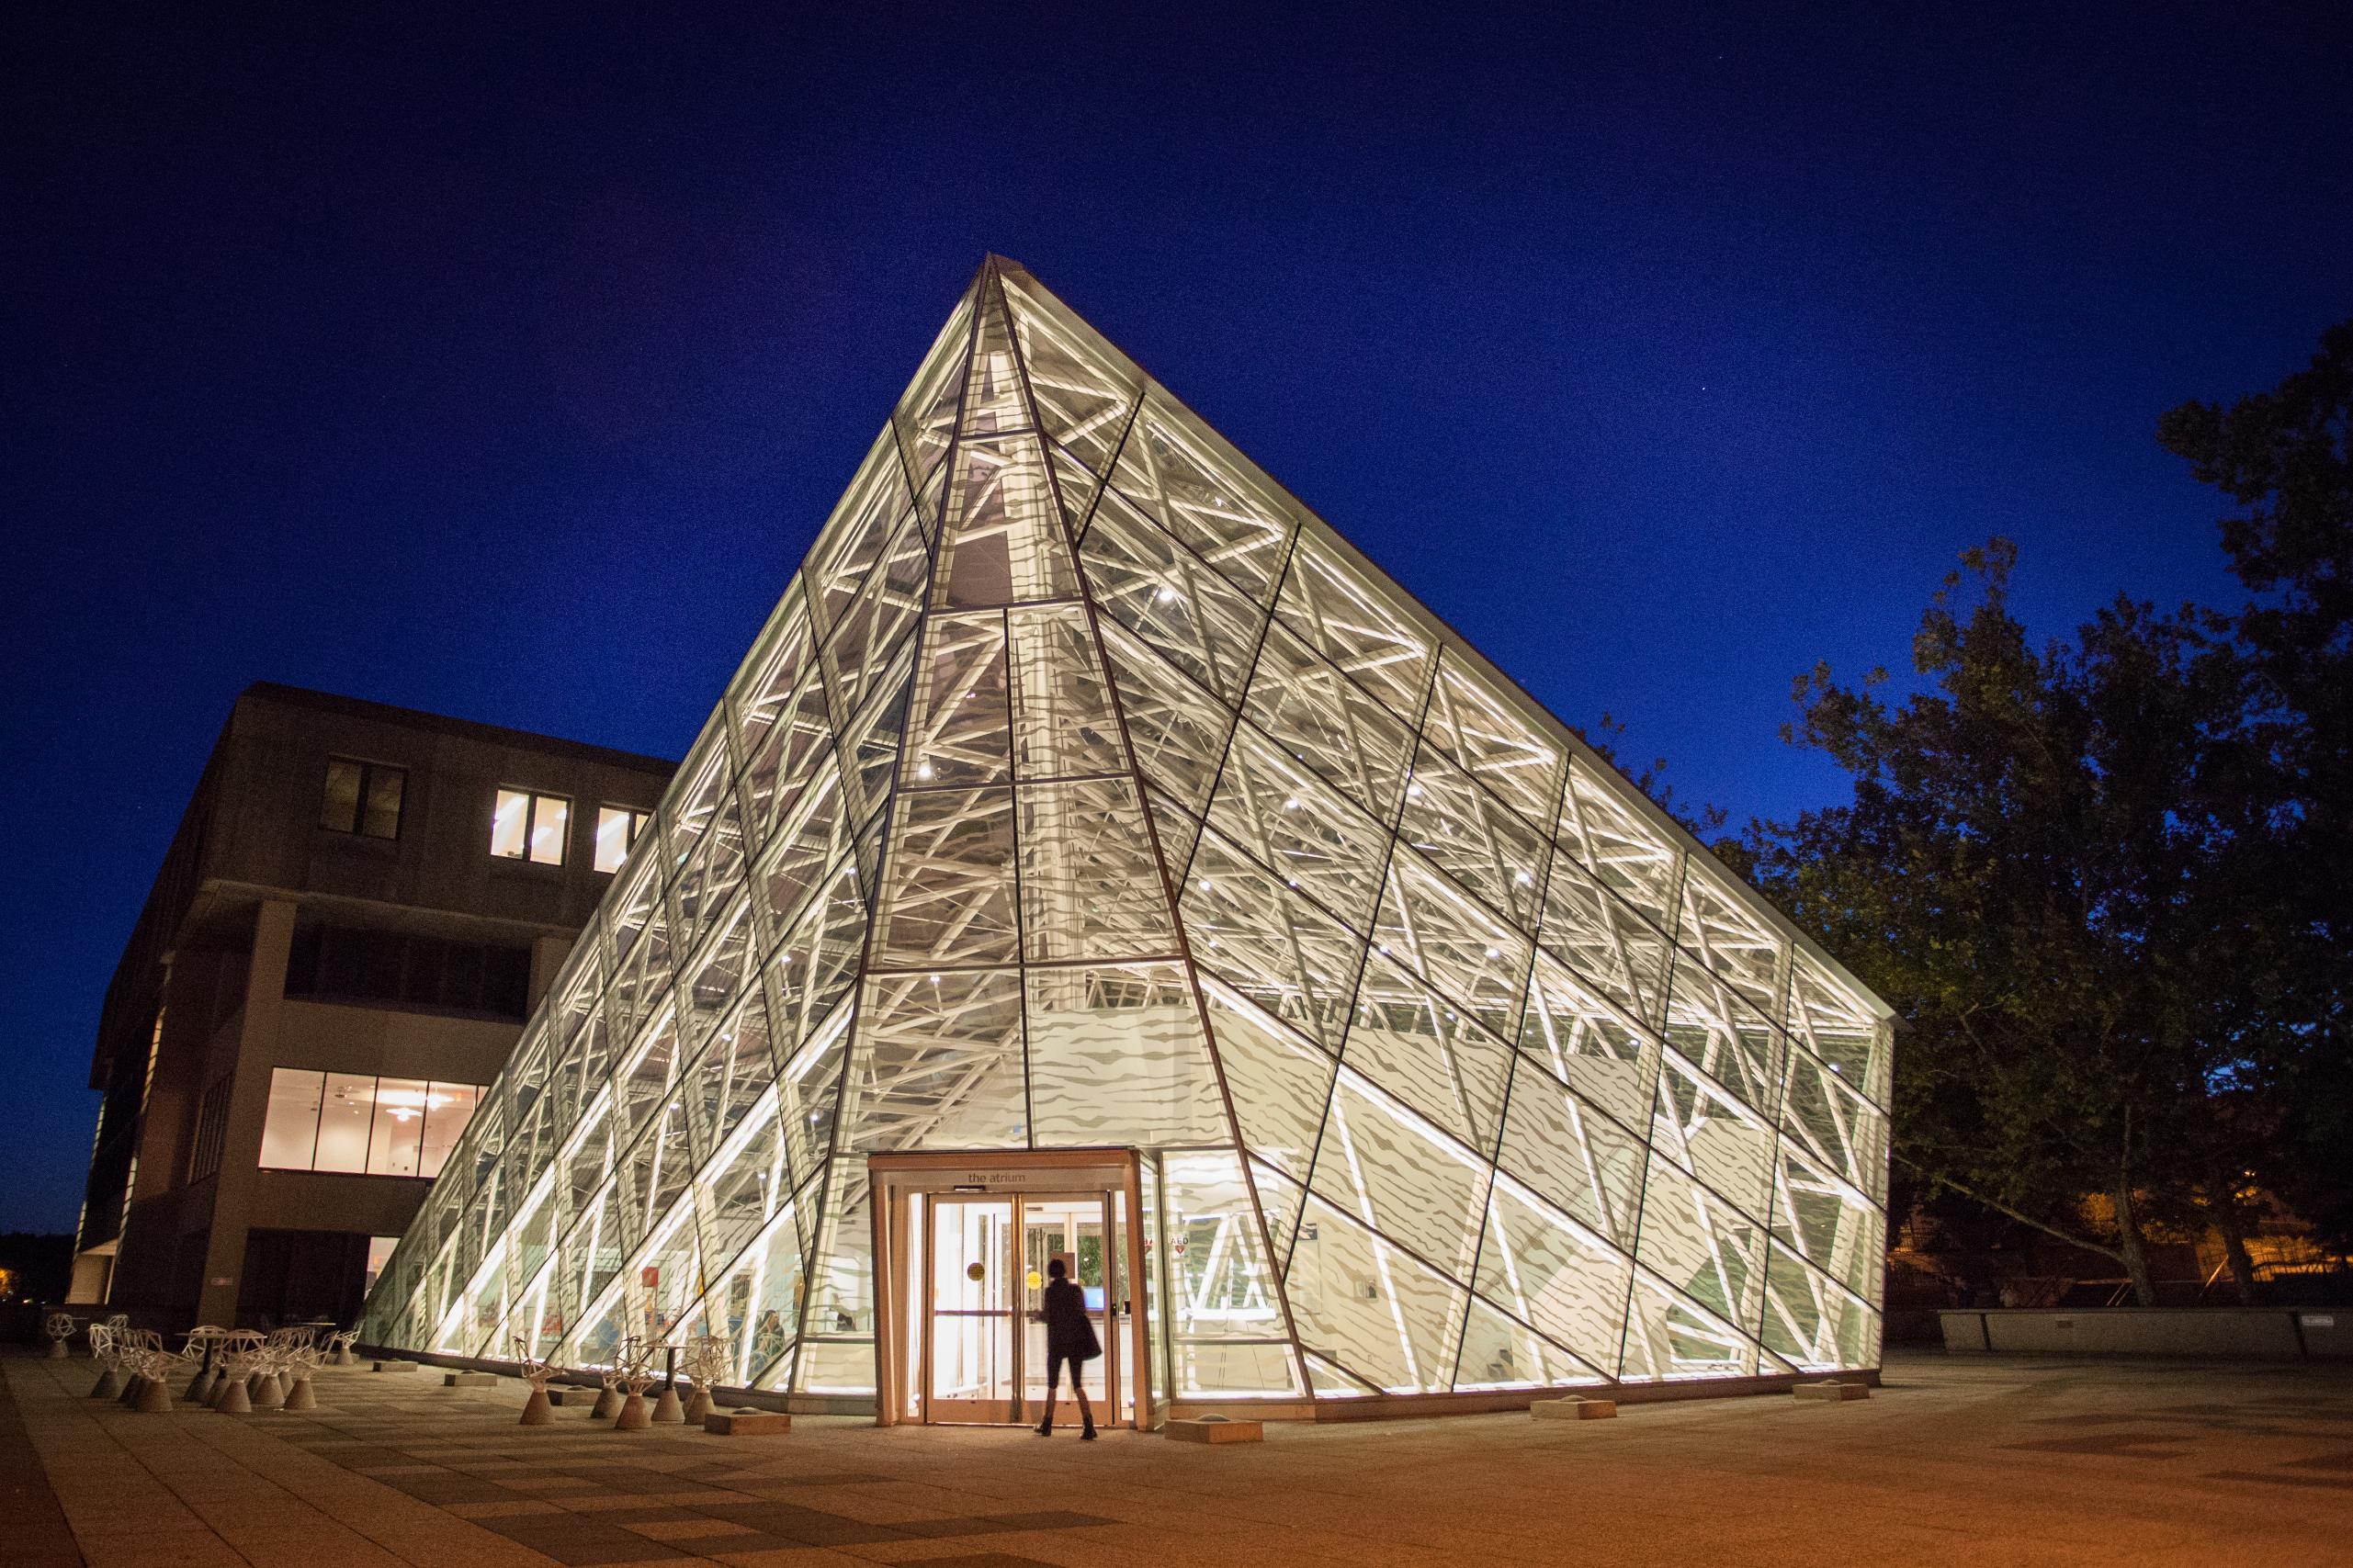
1097	857
360	907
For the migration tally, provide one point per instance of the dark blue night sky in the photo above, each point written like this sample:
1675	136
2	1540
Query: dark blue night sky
504	368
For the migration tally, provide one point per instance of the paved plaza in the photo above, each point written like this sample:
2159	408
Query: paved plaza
1954	1462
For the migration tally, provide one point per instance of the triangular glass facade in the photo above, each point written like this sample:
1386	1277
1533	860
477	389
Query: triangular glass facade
1085	791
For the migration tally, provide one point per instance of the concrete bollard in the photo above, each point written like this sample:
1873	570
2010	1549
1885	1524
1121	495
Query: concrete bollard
607	1406
129	1397
698	1405
265	1393
302	1396
1573	1409
668	1410
747	1423
634	1416
200	1389
154	1397
233	1398
1832	1393
109	1384
536	1412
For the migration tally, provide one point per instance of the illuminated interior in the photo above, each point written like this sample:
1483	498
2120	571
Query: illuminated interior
1084	791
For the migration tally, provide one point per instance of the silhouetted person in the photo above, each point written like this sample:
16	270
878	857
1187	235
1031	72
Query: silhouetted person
1068	1337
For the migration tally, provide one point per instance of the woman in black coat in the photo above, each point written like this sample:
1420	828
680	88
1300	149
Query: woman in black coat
1070	1337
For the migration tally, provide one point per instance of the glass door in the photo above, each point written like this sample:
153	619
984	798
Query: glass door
969	1372
1079	1231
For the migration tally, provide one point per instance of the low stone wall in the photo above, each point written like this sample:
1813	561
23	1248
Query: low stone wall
2249	1334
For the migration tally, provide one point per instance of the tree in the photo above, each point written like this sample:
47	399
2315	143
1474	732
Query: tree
2041	848
2285	458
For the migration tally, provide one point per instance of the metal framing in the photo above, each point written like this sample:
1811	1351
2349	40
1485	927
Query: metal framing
1085	789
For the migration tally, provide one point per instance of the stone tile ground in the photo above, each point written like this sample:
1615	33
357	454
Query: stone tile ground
1959	1461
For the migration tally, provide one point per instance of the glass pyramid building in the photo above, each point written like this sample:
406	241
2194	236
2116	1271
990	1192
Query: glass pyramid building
1084	791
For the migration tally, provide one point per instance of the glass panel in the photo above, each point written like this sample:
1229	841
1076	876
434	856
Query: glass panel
1737	942
972	1301
1364	1305
1003	540
993	403
1227	1331
858	652
1554	1273
1280	1083
1588	1044
1066	727
1831	1018
1707	1132
858	534
1072	1230
814	965
1358	622
1475	838
1328	722
550	821
1117	1057
511	823
1576	1159
1227	519
1420	1048
1161	592
1702	1247
380	818
290	1128
1430	924
1299	828
1487	732
1709	1023
936	1063
1178	730
1617	842
1083	386
1090	885
397	1128
1829	1223
959	727
345	1116
1268	941
1599	936
950	898
339	809
926	413
1810	1321
1397	1173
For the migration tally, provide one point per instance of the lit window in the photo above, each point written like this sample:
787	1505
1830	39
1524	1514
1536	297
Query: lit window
362	798
530	827
363	1125
290	1133
448	1107
617	829
380	1253
398	1129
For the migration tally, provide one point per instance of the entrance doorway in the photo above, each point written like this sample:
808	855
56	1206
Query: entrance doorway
968	1246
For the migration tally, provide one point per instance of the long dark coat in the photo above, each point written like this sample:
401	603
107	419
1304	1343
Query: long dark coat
1068	1331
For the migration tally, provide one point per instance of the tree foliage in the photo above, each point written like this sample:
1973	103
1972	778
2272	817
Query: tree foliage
2102	879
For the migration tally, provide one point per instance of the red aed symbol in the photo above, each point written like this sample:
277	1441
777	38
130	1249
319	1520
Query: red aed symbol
650	1277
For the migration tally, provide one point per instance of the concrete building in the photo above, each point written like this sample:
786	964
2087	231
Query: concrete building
360	907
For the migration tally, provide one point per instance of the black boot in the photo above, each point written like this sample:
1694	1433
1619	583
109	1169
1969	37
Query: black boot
1089	1434
1046	1427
